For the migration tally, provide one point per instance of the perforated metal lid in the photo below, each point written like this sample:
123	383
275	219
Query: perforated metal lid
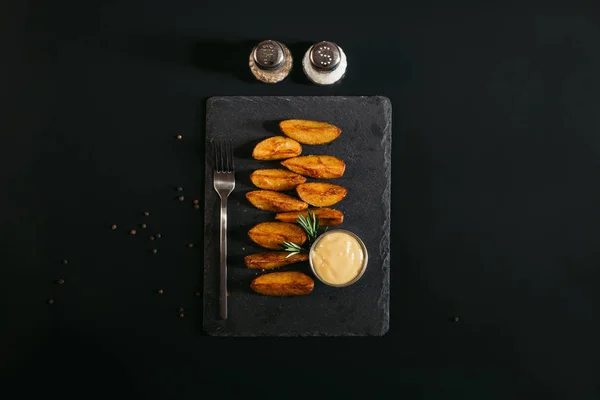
325	56
269	54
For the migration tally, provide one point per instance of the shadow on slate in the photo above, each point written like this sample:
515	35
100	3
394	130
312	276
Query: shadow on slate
361	309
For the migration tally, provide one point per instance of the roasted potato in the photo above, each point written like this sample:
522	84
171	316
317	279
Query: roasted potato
326	167
276	148
273	259
327	216
275	201
320	194
309	132
276	179
283	284
271	235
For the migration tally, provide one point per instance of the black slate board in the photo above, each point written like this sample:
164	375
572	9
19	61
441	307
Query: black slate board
365	145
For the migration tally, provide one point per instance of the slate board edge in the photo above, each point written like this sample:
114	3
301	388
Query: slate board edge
384	299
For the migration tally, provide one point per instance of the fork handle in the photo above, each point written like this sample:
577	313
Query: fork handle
223	261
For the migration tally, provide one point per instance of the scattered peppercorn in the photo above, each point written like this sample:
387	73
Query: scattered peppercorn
60	281
133	231
196	206
181	198
146	213
154	251
196	201
160	291
179	137
50	301
144	226
190	245
181	315
158	235
113	227
65	261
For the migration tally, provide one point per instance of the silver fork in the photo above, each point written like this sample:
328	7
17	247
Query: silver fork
224	182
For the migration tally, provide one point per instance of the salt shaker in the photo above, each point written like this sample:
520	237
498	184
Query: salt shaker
324	63
270	61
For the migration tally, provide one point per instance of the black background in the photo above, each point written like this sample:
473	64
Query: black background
495	214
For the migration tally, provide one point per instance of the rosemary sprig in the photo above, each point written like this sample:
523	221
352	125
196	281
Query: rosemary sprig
293	248
310	224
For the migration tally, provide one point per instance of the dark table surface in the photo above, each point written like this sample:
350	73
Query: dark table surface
495	217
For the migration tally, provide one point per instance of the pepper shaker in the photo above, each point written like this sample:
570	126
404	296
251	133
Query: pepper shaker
270	61
324	63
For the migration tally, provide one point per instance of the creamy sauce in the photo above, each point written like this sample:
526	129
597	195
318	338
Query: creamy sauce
338	258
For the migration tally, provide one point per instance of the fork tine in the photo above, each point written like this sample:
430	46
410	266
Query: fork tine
230	156
223	156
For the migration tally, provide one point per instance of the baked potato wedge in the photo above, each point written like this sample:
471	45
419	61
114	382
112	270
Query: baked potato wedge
271	235
309	132
321	194
275	201
276	179
327	216
276	148
290	283
273	259
326	167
